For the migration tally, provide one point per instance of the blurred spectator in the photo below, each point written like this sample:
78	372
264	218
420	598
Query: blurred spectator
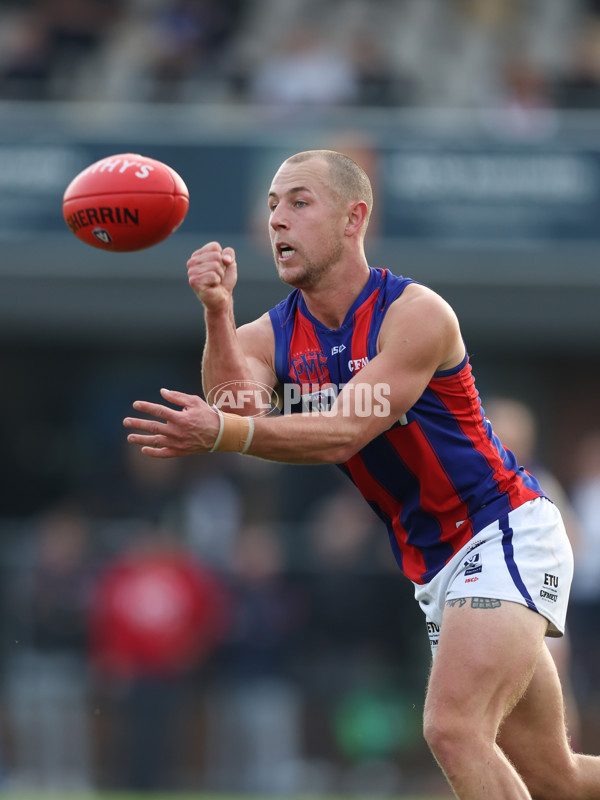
47	686
376	83
75	29
169	51
422	52
136	488
586	500
25	62
255	714
579	85
343	631
585	595
517	428
157	615
211	508
354	649
304	71
524	108
54	43
188	37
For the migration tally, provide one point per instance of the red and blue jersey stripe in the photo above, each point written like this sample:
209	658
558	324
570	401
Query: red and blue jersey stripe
438	476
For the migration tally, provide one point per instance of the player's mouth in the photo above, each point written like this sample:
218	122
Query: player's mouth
285	252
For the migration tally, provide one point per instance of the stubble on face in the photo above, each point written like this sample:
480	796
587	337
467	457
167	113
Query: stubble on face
310	272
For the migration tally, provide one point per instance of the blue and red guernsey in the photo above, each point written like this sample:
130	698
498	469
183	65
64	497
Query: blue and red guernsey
438	476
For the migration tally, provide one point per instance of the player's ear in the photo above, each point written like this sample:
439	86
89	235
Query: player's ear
357	214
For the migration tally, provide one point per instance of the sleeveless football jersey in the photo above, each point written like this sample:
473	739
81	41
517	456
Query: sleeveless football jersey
437	476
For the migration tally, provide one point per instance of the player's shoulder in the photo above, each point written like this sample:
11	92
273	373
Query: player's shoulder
419	299
422	316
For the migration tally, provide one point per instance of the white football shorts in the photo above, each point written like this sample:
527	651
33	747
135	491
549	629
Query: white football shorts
525	557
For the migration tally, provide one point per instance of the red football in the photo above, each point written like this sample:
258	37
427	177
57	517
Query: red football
125	202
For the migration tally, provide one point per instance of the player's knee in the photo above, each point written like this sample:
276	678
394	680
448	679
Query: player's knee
448	739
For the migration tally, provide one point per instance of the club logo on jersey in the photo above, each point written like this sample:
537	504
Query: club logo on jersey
309	367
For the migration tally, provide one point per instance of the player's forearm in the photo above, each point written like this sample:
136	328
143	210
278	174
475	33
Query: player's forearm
315	438
223	359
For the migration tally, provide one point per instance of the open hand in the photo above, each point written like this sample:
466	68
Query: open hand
174	432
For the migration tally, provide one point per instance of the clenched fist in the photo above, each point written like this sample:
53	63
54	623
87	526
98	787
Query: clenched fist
212	274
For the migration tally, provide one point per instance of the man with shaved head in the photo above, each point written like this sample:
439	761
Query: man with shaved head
373	376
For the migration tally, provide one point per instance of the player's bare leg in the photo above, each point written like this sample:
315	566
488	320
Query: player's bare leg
486	657
535	739
560	650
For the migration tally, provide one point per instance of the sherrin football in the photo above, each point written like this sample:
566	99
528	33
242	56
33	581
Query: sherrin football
125	202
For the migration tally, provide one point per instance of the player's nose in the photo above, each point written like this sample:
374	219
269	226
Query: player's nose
278	219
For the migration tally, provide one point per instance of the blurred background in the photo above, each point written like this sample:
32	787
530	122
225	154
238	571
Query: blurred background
227	624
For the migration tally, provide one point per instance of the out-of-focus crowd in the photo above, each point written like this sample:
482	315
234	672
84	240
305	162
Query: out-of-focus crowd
233	625
526	57
217	624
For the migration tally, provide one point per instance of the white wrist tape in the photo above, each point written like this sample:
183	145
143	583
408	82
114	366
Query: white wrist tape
220	433
250	434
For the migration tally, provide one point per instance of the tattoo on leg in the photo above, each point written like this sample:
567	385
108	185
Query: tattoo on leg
485	602
476	602
460	602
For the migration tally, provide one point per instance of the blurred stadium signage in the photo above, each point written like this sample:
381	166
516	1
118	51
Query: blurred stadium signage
480	193
503	196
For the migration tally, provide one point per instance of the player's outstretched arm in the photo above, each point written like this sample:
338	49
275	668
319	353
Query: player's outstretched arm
244	354
420	335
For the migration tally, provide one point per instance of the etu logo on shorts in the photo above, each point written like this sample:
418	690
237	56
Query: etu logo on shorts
433	631
551	592
472	564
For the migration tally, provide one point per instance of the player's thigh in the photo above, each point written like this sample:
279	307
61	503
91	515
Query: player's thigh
534	735
486	657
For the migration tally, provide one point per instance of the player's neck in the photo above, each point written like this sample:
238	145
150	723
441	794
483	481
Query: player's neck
331	299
